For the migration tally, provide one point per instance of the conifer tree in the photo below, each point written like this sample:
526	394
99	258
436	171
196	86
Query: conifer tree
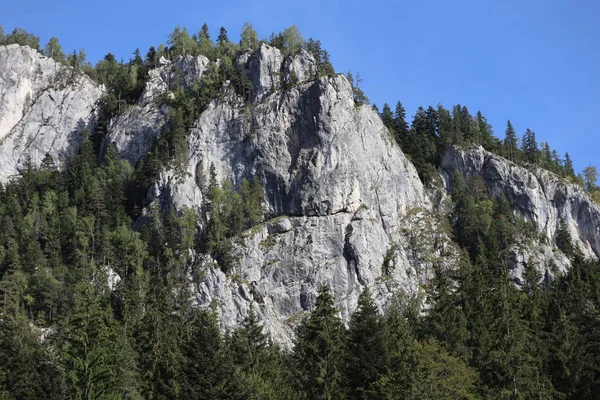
400	124
510	142
568	166
222	39
366	351
207	368
563	239
319	350
387	117
89	348
530	147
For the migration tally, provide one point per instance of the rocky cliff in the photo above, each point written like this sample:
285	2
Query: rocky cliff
345	206
537	195
133	131
44	105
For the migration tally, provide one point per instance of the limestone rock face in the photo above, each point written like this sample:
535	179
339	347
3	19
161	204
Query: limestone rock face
345	206
44	106
348	207
264	68
536	194
133	131
171	75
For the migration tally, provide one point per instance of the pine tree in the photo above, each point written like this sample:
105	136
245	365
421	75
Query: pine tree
366	351
222	39
319	350
510	142
530	147
400	124
568	166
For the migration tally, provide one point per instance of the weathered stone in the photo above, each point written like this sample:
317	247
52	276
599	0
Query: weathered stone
133	131
355	206
44	106
347	207
536	194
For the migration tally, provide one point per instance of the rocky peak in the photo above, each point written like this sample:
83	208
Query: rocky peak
264	70
269	70
44	106
171	75
348	207
133	131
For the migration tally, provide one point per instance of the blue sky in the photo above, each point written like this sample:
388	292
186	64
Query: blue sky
535	62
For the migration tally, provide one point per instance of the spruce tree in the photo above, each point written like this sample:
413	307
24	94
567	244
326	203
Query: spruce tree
222	39
563	239
319	350
510	142
366	349
400	124
399	378
568	166
387	117
530	147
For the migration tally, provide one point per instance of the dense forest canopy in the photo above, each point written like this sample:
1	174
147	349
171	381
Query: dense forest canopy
95	302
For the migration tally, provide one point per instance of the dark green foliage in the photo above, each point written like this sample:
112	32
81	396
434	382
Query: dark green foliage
568	166
21	37
387	117
366	348
88	343
321	56
434	129
230	213
208	368
28	370
563	239
530	147
222	39
319	351
510	143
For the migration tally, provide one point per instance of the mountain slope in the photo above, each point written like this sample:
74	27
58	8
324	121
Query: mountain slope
346	206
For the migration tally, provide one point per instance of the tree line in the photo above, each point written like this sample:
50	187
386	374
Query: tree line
433	129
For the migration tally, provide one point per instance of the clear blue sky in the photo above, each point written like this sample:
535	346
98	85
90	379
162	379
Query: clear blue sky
536	62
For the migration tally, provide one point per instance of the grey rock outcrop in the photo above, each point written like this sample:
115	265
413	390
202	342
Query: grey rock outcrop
44	106
345	206
536	194
349	208
133	131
